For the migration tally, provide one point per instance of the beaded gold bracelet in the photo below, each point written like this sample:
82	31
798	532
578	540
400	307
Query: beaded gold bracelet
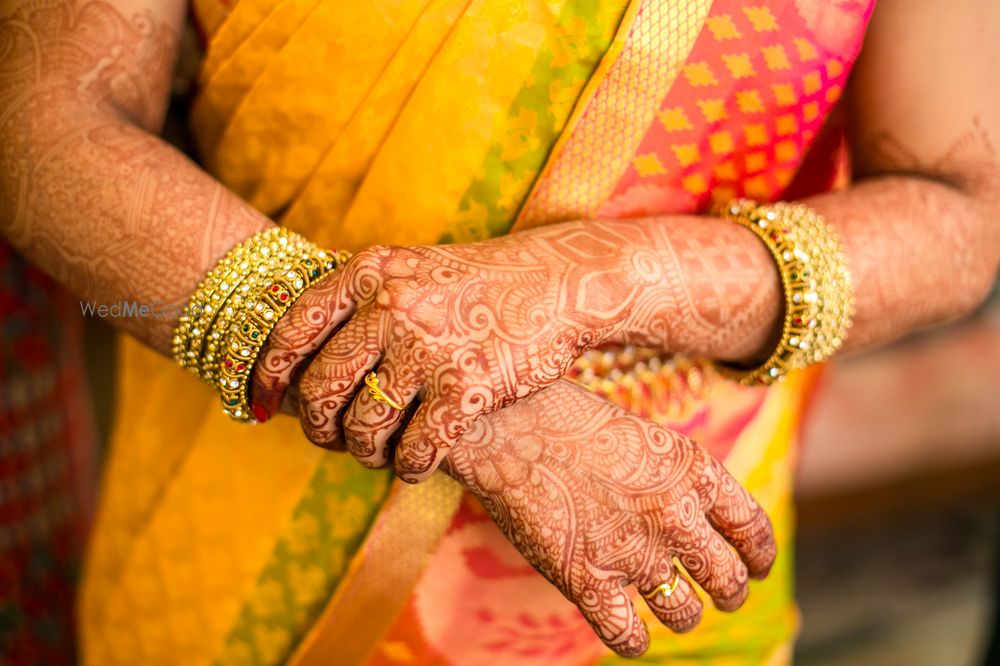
259	255
258	318
224	326
817	285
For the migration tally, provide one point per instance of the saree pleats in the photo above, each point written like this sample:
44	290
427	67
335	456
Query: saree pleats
427	121
382	575
471	83
331	187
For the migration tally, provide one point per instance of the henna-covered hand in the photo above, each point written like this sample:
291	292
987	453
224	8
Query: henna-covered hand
468	328
596	499
472	328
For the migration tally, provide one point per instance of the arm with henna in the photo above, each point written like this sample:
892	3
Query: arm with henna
87	191
471	328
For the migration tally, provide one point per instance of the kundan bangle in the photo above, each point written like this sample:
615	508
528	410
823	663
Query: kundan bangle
819	293
231	313
257	257
257	319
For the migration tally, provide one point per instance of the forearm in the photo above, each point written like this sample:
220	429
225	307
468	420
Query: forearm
88	193
116	215
920	252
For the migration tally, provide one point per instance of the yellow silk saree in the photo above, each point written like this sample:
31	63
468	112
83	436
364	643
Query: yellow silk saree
435	121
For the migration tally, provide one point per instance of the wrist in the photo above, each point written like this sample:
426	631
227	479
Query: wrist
236	306
715	292
816	284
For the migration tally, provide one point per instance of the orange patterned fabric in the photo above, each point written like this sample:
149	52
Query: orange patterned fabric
752	98
624	100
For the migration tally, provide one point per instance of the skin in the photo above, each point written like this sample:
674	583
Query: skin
88	192
92	196
416	313
472	328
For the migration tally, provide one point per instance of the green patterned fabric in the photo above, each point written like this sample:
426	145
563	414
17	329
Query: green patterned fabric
307	564
534	121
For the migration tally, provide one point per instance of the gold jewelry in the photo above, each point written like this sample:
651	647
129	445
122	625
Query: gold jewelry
371	381
250	331
255	258
819	293
228	311
666	589
237	305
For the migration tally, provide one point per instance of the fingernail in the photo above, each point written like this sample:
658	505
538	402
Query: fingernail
259	413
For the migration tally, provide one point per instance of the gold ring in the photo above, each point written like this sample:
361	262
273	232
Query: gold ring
371	381
666	589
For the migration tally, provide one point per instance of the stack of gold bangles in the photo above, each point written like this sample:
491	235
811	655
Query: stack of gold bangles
819	294
236	306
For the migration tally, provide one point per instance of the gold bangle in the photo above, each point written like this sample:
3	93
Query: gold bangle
817	285
258	255
230	314
257	320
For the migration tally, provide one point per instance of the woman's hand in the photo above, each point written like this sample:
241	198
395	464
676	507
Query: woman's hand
467	328
597	499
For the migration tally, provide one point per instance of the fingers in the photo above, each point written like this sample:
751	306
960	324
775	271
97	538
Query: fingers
307	325
426	441
298	334
369	423
738	517
332	379
677	606
714	566
614	619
